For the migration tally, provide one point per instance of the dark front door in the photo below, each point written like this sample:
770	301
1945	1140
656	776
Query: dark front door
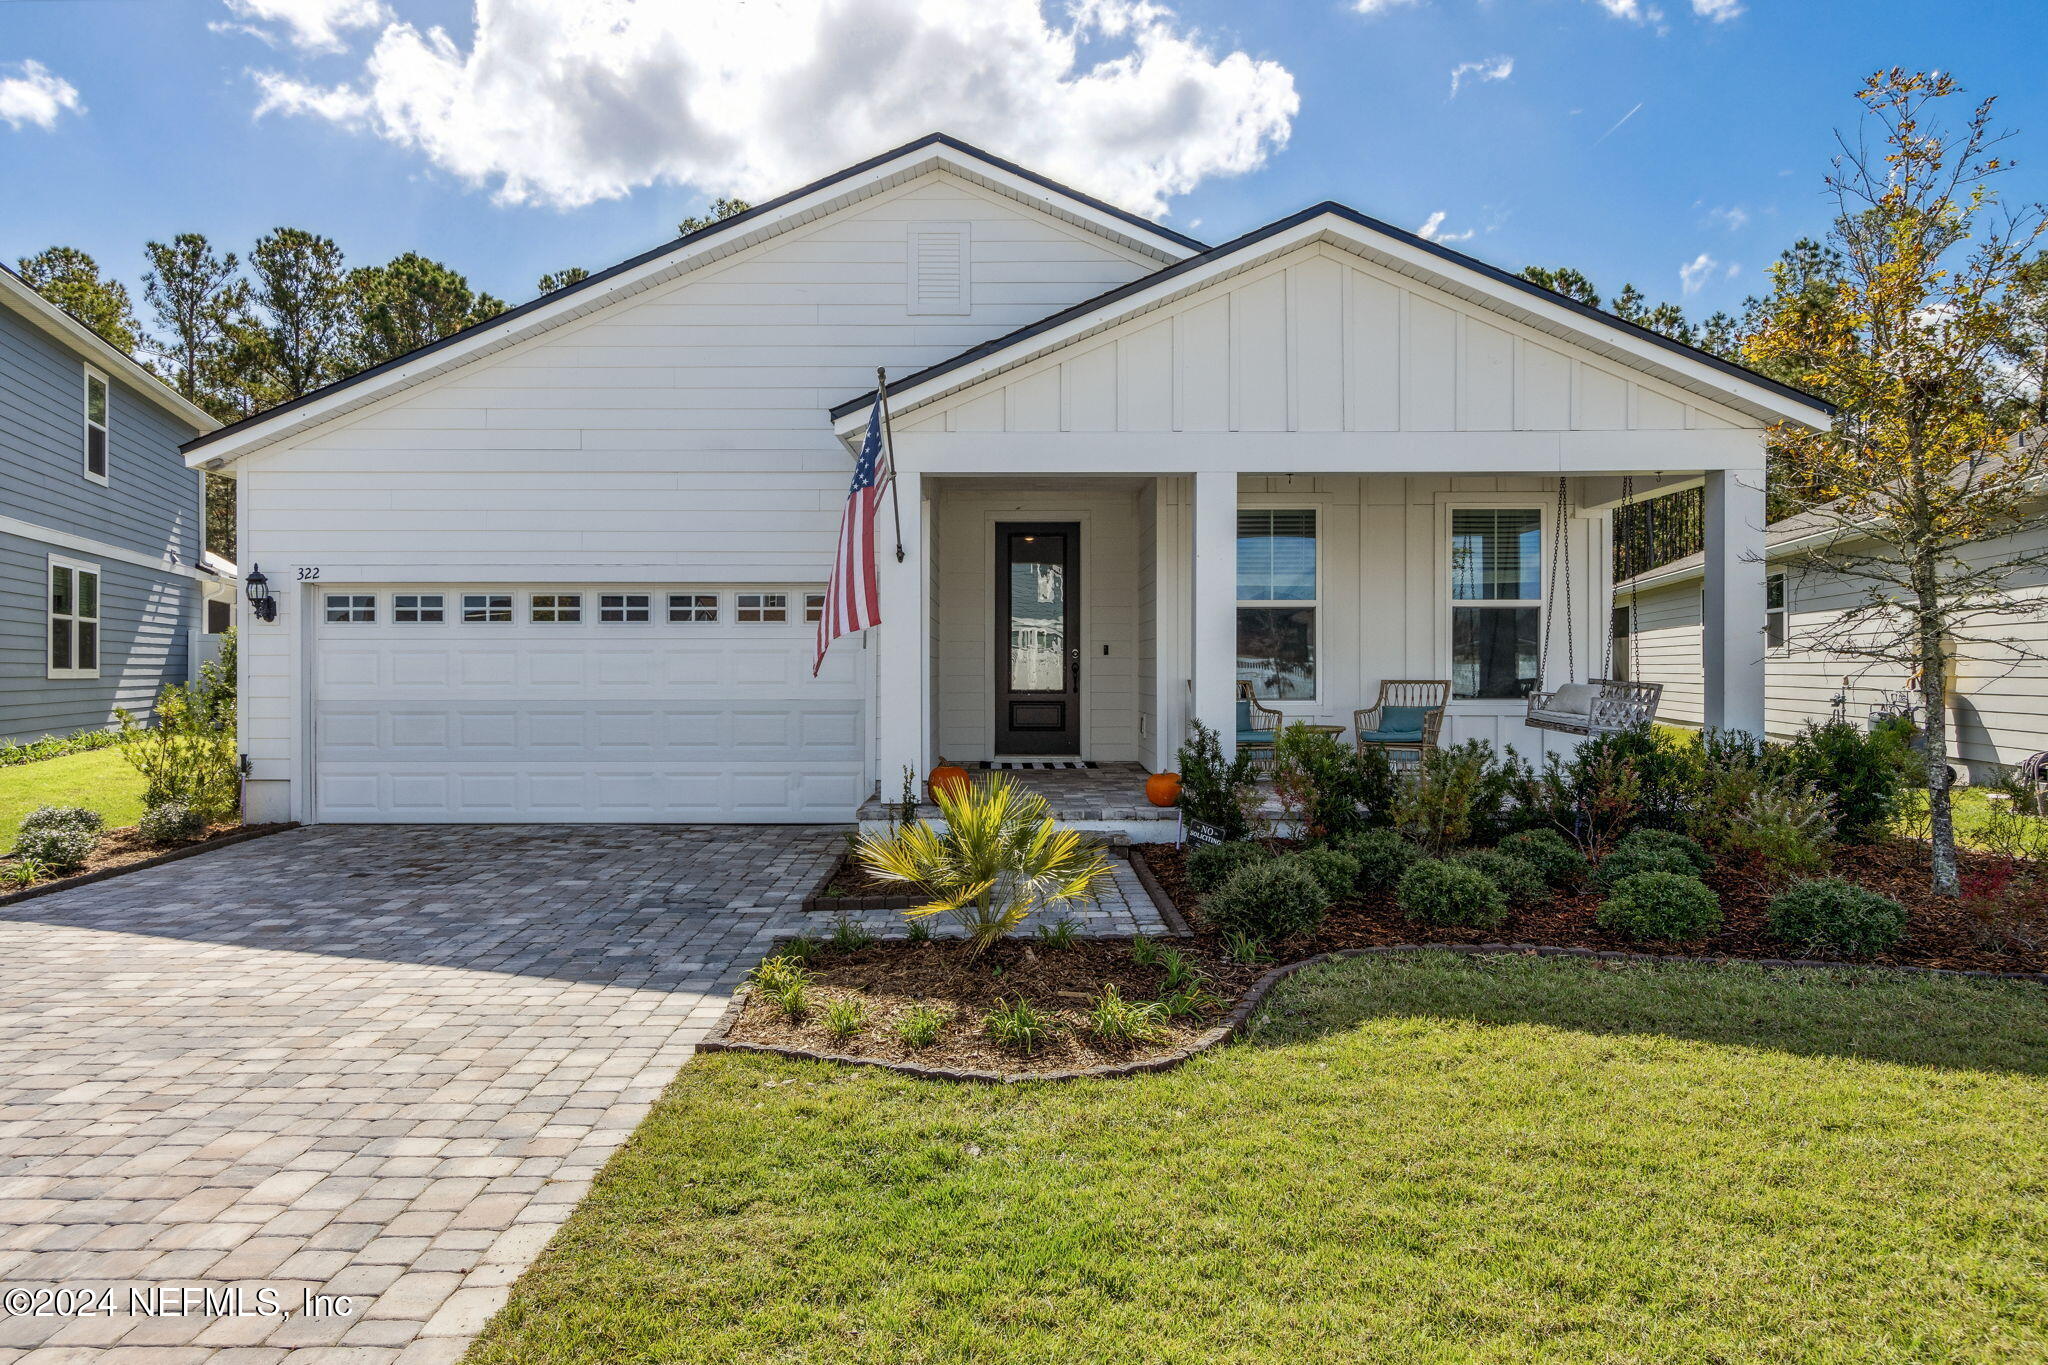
1038	638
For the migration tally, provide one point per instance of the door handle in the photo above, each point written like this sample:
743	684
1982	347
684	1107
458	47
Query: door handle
1074	665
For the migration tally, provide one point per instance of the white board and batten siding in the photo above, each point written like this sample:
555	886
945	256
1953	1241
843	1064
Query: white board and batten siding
1320	341
678	436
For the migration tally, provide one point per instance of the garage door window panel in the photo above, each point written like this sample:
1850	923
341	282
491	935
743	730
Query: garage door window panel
624	607
351	608
693	607
557	608
485	608
418	608
761	608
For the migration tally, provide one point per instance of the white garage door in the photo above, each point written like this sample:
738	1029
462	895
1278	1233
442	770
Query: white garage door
544	703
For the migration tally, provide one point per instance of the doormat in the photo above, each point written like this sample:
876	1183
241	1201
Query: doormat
987	765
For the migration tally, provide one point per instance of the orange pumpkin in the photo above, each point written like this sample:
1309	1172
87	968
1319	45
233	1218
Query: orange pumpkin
949	777
1163	789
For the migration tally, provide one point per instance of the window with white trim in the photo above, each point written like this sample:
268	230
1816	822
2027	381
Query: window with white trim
486	608
74	619
624	607
814	607
97	399
557	607
351	607
1777	615
1277	601
760	608
418	608
1496	602
693	606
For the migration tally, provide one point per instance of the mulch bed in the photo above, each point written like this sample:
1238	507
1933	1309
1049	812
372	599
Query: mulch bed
1970	935
849	887
124	850
893	976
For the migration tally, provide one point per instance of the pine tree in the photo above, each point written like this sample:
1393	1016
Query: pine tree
71	279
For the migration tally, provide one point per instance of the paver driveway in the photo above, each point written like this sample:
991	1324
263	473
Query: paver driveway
381	1062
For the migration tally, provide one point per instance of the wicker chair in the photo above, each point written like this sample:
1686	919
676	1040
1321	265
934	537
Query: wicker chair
1258	725
1404	723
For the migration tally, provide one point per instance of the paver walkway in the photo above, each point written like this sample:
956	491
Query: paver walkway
381	1062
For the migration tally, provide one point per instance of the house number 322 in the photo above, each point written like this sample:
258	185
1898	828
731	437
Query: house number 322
307	573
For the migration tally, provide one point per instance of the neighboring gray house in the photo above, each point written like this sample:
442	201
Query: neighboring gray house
1997	698
106	592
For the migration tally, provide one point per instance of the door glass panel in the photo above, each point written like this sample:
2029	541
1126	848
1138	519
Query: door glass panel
1038	612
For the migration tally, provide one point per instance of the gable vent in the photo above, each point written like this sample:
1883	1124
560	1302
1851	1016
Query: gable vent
939	259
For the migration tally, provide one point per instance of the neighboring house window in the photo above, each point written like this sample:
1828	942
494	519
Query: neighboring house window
1623	635
1276	602
1496	601
1776	617
693	606
95	425
487	607
761	607
351	607
623	606
814	606
418	608
559	607
220	617
74	619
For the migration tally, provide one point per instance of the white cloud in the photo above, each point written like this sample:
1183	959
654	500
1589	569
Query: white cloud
1718	11
1635	11
1700	272
316	25
566	104
1734	217
1433	230
1380	6
35	94
1486	69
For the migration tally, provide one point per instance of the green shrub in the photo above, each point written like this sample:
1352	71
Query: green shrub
1866	774
1114	1019
1211	865
1189	1002
1180	972
1450	895
1786	826
770	973
1017	1025
1145	951
173	822
1220	796
1270	901
186	754
844	1018
1550	853
1830	915
1664	840
1334	869
1382	856
17	873
60	849
1330	789
1670	906
1458	794
1245	950
793	997
1624	863
63	817
55	746
920	1025
1519	881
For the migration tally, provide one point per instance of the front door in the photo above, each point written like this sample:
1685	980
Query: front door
1038	640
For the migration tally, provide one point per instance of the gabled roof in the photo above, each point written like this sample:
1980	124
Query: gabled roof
1405	252
719	239
18	296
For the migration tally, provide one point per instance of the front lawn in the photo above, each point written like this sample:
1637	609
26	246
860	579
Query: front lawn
101	779
1416	1158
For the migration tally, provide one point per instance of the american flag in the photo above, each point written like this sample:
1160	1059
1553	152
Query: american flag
852	600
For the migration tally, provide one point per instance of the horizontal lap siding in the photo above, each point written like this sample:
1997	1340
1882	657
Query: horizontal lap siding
143	641
682	433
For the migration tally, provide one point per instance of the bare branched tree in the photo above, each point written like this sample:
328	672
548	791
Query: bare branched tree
1928	464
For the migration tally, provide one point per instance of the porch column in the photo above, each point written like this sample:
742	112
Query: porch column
1733	646
1214	604
901	673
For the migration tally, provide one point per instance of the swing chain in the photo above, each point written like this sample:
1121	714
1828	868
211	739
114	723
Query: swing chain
1560	545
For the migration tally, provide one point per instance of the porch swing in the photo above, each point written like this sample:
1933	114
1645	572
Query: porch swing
1598	706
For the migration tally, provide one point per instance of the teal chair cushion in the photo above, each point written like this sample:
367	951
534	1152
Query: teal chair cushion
1399	725
1244	715
1254	736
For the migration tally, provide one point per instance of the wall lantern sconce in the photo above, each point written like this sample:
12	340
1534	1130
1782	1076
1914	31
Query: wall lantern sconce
258	593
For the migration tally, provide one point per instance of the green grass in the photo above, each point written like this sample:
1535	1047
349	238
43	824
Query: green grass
1416	1159
100	779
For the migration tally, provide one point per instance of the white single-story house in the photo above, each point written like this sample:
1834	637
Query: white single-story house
564	566
1997	695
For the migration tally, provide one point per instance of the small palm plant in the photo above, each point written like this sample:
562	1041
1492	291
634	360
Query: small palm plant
1000	856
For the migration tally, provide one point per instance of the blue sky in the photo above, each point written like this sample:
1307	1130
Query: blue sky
1634	140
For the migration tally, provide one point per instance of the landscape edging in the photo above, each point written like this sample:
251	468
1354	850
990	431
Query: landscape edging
720	1039
189	851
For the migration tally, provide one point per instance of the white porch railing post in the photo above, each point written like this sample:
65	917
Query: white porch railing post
1214	604
1733	645
901	674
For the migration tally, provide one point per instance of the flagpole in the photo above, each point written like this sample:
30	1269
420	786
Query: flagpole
889	445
